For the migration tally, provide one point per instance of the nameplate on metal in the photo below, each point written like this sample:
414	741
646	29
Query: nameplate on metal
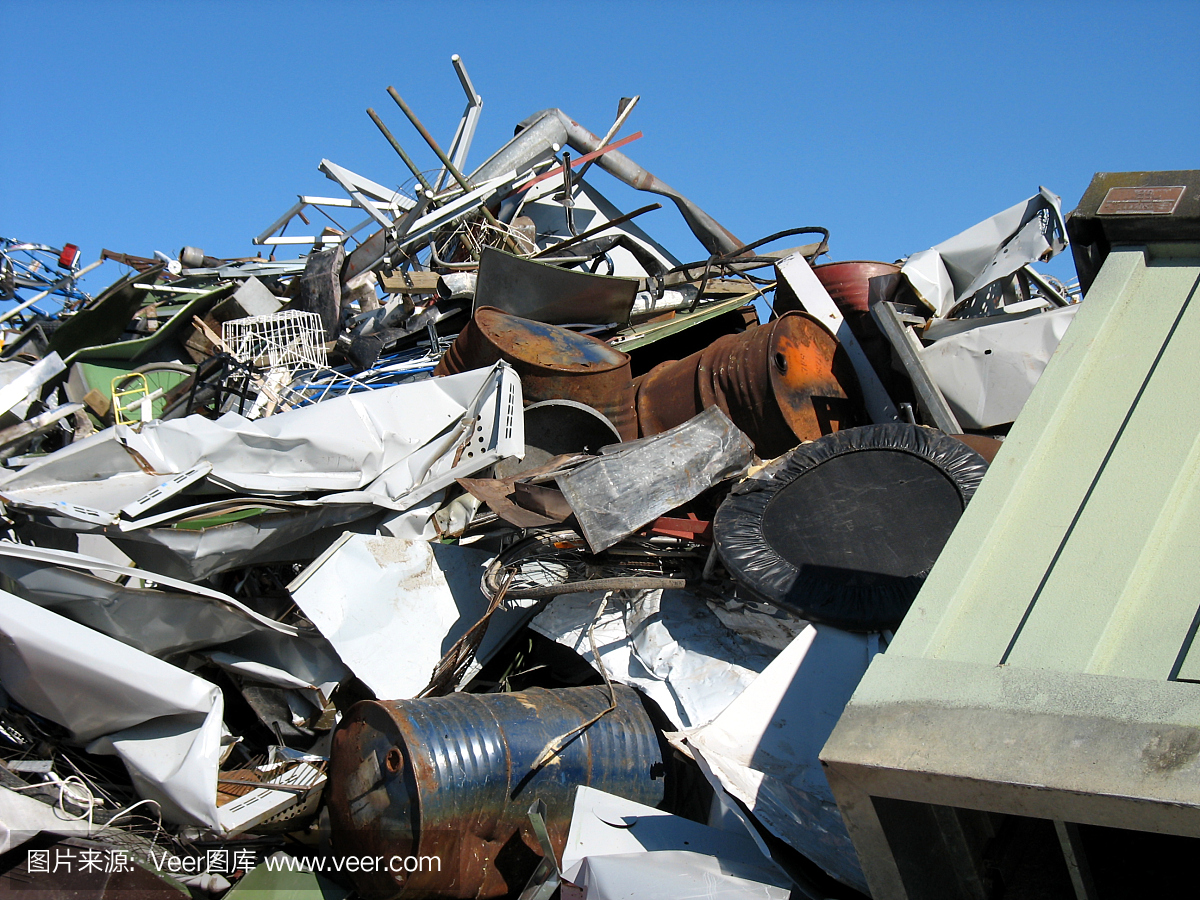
1141	201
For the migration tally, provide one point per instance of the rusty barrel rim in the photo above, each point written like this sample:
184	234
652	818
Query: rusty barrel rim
541	346
848	282
553	363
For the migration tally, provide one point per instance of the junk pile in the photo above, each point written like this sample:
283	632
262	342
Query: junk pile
486	548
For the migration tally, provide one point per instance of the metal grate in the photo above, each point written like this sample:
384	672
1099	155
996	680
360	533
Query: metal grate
288	340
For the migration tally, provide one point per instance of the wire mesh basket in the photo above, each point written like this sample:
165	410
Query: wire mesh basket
283	341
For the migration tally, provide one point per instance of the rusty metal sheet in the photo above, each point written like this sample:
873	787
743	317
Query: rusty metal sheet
547	293
554	364
452	777
780	383
521	502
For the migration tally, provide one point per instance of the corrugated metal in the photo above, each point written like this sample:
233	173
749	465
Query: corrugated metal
453	777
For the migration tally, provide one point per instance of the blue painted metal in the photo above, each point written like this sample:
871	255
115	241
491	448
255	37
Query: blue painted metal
452	778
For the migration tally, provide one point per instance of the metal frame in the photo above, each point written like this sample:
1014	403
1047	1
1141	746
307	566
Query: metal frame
465	133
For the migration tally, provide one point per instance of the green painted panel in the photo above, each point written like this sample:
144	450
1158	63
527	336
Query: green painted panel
1084	590
1079	550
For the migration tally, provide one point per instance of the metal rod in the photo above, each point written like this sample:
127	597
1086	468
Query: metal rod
582	236
433	145
612	132
412	166
451	168
1047	288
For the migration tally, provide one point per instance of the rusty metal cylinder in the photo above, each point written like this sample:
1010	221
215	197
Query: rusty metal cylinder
554	363
452	779
780	383
854	284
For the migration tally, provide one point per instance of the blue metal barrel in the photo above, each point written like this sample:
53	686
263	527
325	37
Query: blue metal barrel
440	787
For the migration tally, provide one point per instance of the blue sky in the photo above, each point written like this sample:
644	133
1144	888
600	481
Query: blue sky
147	126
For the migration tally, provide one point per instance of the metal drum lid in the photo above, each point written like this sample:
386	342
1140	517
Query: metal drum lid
547	346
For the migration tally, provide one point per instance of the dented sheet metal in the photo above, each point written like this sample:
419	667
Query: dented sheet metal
391	447
171	618
618	848
19	383
956	269
987	372
763	748
546	293
617	494
163	723
195	543
690	656
392	608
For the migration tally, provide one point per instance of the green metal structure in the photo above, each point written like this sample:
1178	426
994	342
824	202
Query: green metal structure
1046	672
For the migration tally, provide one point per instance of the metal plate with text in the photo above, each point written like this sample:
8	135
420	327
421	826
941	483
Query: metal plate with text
1141	201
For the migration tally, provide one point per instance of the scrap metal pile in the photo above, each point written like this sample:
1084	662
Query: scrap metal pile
485	548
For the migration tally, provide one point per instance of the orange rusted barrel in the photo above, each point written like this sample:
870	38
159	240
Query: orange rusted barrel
780	383
554	364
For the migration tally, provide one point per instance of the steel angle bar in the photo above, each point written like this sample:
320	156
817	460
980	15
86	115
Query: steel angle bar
349	183
796	273
465	133
353	183
269	237
907	348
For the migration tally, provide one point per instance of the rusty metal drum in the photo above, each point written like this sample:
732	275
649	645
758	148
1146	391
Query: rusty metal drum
780	383
452	779
849	283
554	363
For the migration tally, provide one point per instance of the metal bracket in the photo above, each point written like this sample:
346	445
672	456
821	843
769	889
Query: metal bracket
546	877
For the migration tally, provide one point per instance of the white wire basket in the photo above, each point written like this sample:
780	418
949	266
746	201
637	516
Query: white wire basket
282	341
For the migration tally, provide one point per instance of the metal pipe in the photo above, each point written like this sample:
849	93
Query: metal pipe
612	132
553	126
450	167
412	166
433	145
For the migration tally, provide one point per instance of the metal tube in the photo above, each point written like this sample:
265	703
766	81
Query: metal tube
553	126
433	145
412	166
450	167
612	132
